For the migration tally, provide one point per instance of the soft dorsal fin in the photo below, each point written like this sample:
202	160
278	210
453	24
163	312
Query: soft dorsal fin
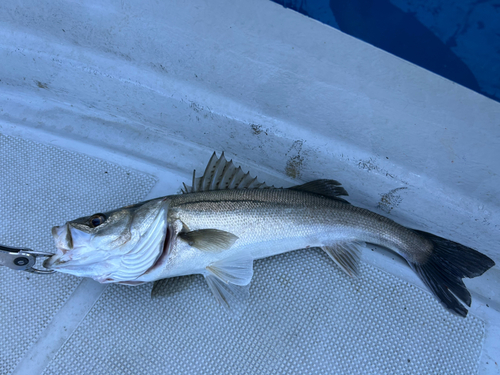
327	188
221	174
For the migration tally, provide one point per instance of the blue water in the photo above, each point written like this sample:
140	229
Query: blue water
459	40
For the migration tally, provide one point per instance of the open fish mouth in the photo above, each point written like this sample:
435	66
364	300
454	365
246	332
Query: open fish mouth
64	242
92	255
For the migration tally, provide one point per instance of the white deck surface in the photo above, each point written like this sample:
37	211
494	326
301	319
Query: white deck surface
153	90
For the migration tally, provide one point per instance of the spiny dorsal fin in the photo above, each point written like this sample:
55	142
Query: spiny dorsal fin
328	188
221	174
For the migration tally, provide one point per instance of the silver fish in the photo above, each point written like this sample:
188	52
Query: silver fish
227	219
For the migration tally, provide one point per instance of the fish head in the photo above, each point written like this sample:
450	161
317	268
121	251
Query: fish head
115	246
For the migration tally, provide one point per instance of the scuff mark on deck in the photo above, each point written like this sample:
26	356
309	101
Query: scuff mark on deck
390	200
293	167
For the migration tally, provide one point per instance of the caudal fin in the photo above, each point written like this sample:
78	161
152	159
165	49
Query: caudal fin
449	263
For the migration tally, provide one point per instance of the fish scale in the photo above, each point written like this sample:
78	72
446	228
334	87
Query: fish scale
289	214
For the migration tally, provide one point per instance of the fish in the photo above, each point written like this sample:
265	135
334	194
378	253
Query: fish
227	219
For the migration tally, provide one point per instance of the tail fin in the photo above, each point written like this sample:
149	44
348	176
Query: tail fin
449	263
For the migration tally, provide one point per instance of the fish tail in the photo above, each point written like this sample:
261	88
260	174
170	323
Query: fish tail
444	270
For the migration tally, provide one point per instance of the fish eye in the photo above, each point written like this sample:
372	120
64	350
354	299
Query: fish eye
96	220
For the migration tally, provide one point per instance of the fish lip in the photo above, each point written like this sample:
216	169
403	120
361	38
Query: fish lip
61	238
53	261
61	251
49	262
69	236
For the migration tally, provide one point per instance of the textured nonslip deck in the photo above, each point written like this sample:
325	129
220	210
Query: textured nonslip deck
42	186
304	316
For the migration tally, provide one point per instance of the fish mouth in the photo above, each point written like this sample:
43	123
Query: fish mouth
126	261
63	239
49	263
52	262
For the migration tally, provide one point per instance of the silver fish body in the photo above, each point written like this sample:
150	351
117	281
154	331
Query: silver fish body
220	230
270	222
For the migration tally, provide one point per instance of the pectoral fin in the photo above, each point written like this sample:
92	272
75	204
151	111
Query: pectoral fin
346	255
229	279
212	240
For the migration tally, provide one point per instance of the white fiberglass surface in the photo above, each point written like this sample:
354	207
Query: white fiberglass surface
146	93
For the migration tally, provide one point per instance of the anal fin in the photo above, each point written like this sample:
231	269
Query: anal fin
346	255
